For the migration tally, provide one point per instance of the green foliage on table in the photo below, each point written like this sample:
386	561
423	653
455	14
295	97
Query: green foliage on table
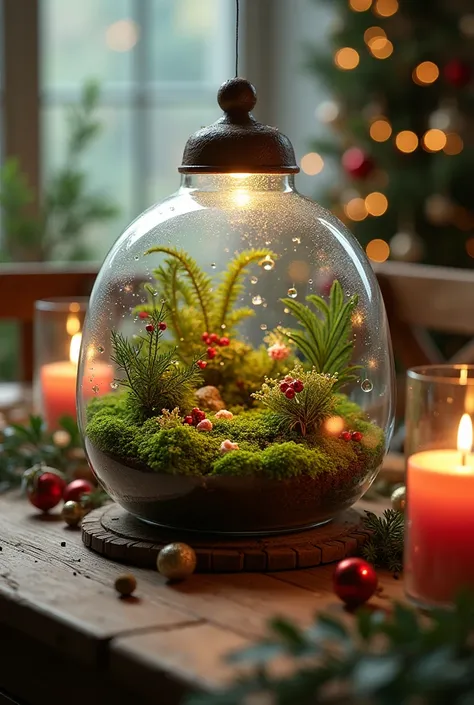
395	657
384	549
326	339
68	206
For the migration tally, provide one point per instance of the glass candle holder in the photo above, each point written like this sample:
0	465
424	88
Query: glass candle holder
439	550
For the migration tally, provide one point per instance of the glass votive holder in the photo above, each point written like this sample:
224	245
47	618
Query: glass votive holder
439	529
58	328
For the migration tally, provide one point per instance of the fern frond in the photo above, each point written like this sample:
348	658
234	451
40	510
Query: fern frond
200	283
231	286
313	329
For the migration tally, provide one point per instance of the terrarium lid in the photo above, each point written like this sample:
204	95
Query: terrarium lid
237	143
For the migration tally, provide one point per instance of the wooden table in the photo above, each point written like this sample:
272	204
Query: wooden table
67	638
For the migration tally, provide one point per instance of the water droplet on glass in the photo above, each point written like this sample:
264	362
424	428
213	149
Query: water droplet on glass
310	281
257	300
286	310
95	388
171	208
114	385
265	305
253	280
267	263
366	385
292	293
263	326
226	249
267	242
297	240
101	349
213	265
155	293
91	379
223	326
136	258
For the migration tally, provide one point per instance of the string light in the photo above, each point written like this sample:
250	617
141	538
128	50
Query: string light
454	144
380	130
406	141
312	163
122	35
373	33
425	73
360	5
378	250
386	8
355	209
346	58
434	140
381	48
376	203
470	246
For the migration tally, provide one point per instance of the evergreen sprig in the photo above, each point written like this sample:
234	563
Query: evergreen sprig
326	340
155	380
384	549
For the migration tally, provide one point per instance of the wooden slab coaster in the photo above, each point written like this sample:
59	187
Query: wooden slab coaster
116	534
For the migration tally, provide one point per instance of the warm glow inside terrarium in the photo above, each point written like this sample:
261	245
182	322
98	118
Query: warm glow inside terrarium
252	365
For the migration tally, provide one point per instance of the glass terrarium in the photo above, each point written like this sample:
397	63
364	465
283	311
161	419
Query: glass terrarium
253	374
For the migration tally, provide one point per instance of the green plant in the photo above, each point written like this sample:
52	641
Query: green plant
385	546
326	339
306	410
385	658
154	380
68	207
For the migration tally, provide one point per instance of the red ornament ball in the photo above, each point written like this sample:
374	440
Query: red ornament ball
355	581
357	164
45	489
150	328
213	338
346	435
162	325
298	386
290	393
76	489
458	73
143	315
224	342
202	364
356	436
211	353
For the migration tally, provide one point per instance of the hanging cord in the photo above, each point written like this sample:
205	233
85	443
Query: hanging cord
237	22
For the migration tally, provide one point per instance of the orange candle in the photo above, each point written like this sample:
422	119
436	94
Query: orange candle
439	545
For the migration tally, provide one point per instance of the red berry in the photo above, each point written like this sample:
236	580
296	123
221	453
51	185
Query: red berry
202	364
143	315
46	490
197	415
346	435
284	386
290	393
76	489
211	353
188	420
288	379
162	326
150	328
224	342
213	338
356	436
298	386
205	336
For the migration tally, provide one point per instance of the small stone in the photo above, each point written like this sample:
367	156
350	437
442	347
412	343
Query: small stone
126	584
63	543
228	445
204	425
209	398
224	414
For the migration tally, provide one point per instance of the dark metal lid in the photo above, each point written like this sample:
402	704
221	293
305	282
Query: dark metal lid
237	143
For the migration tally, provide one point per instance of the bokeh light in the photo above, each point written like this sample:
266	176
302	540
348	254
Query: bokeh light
376	203
360	5
373	33
385	8
406	141
334	425
312	163
355	209
454	144
346	58
434	140
380	130
381	48
328	111
378	250
425	73
122	35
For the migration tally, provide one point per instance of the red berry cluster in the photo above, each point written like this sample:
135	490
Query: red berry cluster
213	339
195	417
289	387
351	436
150	327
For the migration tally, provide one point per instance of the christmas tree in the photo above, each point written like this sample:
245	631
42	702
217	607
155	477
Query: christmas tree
400	125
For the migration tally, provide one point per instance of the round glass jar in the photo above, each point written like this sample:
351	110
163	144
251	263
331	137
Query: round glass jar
249	280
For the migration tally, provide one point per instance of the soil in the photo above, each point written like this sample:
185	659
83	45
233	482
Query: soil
235	505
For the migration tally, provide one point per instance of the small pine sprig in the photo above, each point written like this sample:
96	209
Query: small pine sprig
306	411
384	549
326	339
155	380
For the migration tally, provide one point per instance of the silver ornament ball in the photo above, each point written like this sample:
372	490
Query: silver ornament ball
398	499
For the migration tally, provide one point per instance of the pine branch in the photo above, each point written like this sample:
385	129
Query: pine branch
385	546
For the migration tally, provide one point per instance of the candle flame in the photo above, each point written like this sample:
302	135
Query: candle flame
75	347
465	434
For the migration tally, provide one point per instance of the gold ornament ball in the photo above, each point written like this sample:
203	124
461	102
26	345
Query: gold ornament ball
398	499
72	513
176	561
126	584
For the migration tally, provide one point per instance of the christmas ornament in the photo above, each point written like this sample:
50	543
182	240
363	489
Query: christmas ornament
356	163
355	581
73	512
439	209
126	584
457	72
398	499
76	489
406	246
44	486
176	561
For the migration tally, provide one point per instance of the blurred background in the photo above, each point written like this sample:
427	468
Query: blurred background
98	97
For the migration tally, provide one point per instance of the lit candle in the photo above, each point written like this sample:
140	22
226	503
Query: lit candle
439	545
58	384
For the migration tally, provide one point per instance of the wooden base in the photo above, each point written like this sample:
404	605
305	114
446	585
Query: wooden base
116	534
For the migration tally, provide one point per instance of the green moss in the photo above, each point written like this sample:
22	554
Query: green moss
113	434
349	410
107	404
238	462
291	459
182	451
343	454
256	427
